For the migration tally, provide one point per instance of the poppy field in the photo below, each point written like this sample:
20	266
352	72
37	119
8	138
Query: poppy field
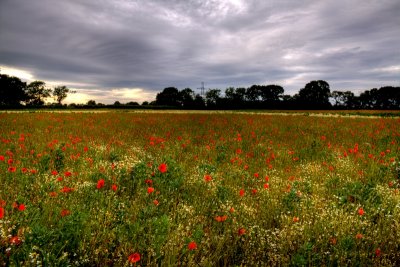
198	189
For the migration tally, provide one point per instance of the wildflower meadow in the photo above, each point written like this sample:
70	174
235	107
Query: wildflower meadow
124	188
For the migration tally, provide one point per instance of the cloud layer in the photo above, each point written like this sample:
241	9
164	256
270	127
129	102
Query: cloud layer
141	47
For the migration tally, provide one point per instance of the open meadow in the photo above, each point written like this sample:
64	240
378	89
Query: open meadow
119	188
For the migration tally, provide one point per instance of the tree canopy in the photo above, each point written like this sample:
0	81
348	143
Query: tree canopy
169	97
37	93
315	95
60	93
12	91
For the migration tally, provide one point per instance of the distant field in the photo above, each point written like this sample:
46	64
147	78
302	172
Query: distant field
319	113
106	187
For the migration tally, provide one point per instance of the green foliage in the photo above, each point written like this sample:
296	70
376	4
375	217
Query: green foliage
136	177
357	192
223	194
291	200
45	162
58	159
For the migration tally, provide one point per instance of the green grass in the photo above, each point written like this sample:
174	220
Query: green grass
246	189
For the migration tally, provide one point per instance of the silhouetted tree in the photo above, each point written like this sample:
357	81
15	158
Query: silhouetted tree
199	102
60	93
253	93
213	97
271	93
12	90
235	98
186	97
368	99
315	95
91	103
169	97
388	98
131	103
37	92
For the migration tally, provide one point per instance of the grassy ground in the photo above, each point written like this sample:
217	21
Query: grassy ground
199	188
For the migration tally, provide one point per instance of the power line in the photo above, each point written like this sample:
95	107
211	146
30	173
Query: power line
202	89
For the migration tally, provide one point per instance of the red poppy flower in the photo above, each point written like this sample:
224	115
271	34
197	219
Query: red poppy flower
192	245
296	219
241	231
150	190
100	183
221	218
163	168
241	192
12	169
114	187
54	172
67	174
359	236
207	178
53	194
378	252
266	185
134	257
21	207
65	212
156	202
2	158
2	213
361	211
15	240
67	189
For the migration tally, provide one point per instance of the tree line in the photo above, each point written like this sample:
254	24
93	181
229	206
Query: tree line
14	92
314	95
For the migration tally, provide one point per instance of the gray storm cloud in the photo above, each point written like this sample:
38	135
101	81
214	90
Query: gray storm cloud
106	45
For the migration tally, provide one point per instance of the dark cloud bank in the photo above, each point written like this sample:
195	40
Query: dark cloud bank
99	46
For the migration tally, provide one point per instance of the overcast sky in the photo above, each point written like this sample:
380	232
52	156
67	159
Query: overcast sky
128	50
